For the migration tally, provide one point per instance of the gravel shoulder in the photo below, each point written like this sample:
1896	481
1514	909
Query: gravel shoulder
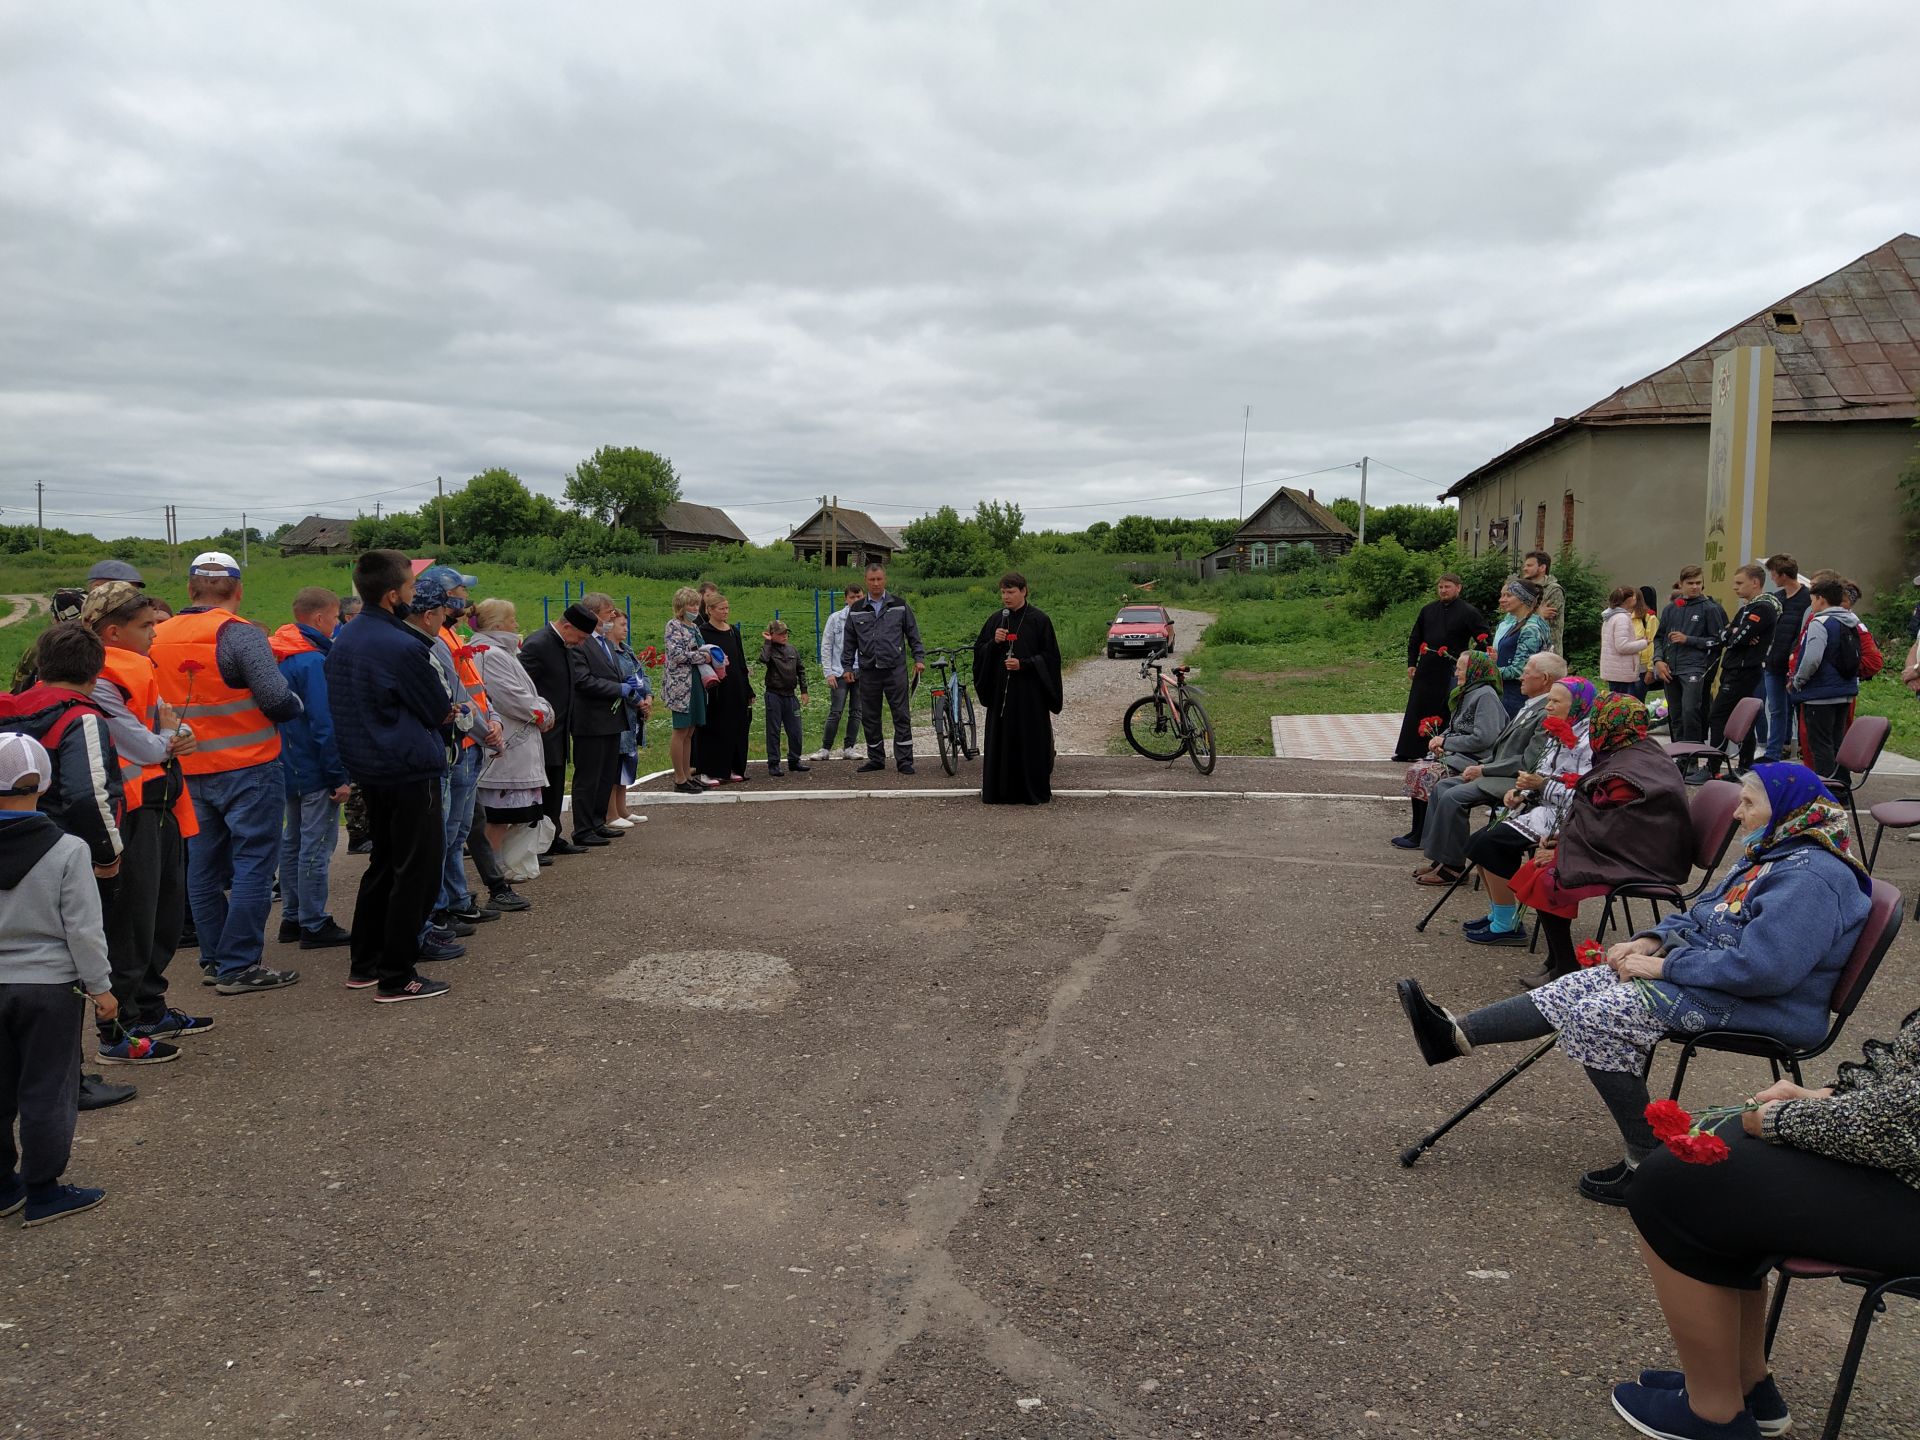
1098	691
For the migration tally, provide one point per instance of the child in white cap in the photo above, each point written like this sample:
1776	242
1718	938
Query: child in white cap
52	947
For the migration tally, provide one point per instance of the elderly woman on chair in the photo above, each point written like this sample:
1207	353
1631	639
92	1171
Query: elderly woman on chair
1478	718
1759	952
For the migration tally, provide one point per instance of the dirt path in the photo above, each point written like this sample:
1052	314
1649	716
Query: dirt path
23	606
1098	691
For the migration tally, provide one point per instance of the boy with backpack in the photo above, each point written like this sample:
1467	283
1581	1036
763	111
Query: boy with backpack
51	947
1827	676
82	794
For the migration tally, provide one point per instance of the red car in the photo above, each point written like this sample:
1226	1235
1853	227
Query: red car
1140	630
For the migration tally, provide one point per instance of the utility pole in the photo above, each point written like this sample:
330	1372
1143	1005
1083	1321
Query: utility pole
39	514
1245	421
1363	499
376	509
442	507
833	529
243	539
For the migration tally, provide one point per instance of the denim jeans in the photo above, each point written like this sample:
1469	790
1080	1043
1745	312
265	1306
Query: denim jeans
457	816
1779	718
783	718
306	858
838	695
230	863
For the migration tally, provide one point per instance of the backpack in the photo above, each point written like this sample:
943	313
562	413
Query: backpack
1872	662
1843	650
25	713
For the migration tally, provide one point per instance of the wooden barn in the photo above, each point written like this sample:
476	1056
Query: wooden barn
686	526
1291	517
861	541
318	535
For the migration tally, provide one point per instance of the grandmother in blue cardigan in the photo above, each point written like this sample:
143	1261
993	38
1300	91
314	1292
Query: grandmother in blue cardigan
1759	952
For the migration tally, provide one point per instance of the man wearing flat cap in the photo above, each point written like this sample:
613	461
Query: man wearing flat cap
549	665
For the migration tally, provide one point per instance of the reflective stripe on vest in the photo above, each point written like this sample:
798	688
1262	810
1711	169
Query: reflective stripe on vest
469	674
233	731
133	674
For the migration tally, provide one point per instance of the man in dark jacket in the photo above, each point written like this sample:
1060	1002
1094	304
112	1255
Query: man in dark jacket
881	631
391	711
546	657
1743	648
598	719
316	778
1794	599
1684	654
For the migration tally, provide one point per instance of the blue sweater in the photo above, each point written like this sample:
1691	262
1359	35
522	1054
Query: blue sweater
307	749
1761	950
388	702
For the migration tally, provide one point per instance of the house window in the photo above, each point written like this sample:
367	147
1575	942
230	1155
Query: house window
1540	527
1566	522
1259	554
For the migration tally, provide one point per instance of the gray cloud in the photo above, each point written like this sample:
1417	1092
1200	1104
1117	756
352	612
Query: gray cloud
907	254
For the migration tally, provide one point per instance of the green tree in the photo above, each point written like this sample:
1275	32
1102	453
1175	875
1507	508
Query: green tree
1386	573
1134	534
399	531
624	487
943	544
999	523
495	505
1098	531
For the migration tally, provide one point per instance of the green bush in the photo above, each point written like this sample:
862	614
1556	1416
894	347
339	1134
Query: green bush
1386	573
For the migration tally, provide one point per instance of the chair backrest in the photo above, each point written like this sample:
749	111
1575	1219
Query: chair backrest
1865	739
1884	914
1711	809
1744	717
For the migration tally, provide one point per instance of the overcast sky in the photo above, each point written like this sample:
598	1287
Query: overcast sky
280	257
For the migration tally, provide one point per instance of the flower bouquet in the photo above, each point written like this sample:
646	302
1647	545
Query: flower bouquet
1692	1137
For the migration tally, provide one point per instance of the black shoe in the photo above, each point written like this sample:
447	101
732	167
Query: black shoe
594	841
1406	842
449	930
1608	1186
776	772
1434	1030
562	847
870	767
359	847
473	914
546	862
905	767
797	767
433	948
289	932
97	1094
419	988
325	937
1516	936
256	980
689	787
611	832
506	899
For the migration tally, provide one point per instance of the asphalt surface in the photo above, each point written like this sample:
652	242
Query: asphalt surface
896	1117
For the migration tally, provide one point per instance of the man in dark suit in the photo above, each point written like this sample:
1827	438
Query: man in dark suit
598	717
547	655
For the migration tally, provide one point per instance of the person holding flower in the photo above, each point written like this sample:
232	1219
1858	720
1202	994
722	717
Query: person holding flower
512	780
1444	630
1759	952
1453	745
1535	805
1522	634
1837	1172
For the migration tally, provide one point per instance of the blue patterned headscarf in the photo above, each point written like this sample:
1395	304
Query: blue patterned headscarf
1804	809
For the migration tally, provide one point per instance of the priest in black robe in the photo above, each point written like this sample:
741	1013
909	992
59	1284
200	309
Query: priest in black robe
1444	630
1016	674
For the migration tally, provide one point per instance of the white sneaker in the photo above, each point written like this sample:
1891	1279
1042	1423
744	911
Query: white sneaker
821	755
847	754
621	824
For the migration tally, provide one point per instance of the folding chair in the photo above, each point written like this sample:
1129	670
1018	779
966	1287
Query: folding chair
1711	808
1859	752
1877	1288
1891	815
1688	753
1884	914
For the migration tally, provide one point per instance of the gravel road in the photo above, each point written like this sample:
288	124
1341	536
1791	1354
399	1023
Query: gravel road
1099	691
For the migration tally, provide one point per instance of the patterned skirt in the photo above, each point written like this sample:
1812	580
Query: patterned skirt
1422	776
1604	1021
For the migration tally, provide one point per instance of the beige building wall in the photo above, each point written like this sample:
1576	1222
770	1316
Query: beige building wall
1639	498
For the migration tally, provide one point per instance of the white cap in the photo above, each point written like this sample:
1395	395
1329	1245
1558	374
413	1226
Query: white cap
216	564
21	756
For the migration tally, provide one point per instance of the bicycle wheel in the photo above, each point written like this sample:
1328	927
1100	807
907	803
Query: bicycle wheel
1152	728
944	737
1199	735
968	728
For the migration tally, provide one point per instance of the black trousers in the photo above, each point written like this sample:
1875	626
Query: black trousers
1500	849
1688	699
145	905
1735	686
1827	725
402	882
892	684
39	1079
556	791
1702	1219
480	850
596	765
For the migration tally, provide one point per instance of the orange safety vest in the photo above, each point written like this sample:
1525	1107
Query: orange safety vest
469	674
133	674
234	732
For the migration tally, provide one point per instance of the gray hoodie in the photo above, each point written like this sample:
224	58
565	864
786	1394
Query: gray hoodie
50	924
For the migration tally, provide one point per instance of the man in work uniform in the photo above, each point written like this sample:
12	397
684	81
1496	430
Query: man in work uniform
219	674
880	632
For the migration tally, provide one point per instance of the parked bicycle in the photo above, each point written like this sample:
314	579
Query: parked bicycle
955	731
1170	721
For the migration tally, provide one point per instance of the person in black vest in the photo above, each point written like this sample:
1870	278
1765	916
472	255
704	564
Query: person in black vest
599	718
1743	648
545	655
1442	632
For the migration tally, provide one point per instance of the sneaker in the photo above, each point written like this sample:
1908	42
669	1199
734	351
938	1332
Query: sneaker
209	974
418	988
174	1022
1666	1415
1435	1031
432	949
289	931
324	936
870	767
13	1194
797	767
60	1201
250	982
1490	936
472	914
508	900
362	982
706	782
905	767
776	771
449	930
1764	1401
138	1050
97	1094
821	755
1608	1186
359	847
619	822
688	787
847	754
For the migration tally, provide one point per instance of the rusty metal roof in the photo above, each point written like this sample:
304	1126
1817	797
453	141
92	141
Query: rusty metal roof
857	525
683	517
1847	347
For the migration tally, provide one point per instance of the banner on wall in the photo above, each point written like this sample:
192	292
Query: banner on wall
1739	451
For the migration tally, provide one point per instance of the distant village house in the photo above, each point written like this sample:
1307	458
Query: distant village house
318	535
684	526
859	540
1291	517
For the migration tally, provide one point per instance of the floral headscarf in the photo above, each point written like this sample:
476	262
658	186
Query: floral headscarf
1804	809
1617	722
1583	691
1480	671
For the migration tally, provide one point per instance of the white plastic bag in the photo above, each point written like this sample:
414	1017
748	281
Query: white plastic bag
520	851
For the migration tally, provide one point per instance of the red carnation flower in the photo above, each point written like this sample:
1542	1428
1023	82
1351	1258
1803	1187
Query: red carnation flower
1708	1149
1666	1117
1432	726
1423	647
191	667
1560	728
1569	777
1590	953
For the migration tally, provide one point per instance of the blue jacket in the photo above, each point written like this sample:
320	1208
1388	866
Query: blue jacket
1815	677
388	702
307	749
1762	949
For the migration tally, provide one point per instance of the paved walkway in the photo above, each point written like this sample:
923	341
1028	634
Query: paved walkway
1335	737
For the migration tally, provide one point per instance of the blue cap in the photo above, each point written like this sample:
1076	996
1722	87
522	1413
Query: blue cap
428	594
447	577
